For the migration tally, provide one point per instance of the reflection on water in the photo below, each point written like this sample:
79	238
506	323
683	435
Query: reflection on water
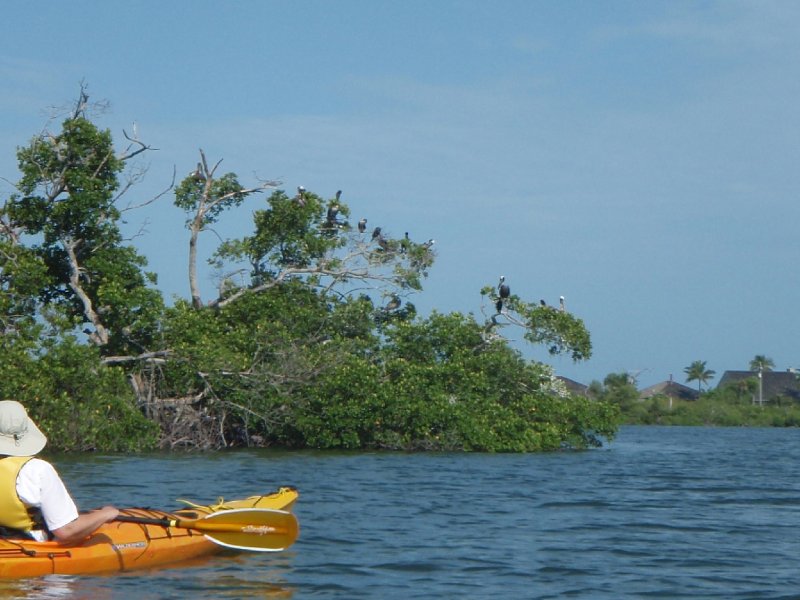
211	577
51	586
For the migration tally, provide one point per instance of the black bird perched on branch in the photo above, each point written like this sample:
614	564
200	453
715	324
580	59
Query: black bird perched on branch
362	225
333	210
301	195
404	244
503	291
197	174
376	233
503	288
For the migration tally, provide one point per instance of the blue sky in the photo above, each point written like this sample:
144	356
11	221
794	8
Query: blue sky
639	158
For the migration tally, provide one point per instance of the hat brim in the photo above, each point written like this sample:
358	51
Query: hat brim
28	445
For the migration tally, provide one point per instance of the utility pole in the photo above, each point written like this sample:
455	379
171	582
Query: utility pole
761	385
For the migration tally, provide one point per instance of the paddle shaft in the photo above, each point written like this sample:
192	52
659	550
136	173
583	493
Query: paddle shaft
203	525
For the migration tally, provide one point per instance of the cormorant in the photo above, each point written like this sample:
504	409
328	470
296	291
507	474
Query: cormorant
362	225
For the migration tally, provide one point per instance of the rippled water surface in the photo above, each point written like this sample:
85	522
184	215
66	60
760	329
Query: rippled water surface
658	513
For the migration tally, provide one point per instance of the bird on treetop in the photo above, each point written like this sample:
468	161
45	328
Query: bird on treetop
504	291
503	288
300	198
333	210
362	225
197	174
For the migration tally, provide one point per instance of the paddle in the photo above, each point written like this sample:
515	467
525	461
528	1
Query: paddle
258	529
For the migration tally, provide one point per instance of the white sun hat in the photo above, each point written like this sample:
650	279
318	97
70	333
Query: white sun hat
19	436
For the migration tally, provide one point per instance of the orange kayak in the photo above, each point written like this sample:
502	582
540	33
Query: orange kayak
124	546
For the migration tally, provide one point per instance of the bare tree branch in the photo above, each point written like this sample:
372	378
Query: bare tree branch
158	357
169	188
99	336
136	143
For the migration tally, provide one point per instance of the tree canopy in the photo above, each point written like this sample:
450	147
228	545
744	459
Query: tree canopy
312	339
697	371
761	362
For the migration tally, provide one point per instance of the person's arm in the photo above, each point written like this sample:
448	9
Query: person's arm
84	525
39	485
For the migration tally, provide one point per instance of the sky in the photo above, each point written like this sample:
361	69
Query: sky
638	158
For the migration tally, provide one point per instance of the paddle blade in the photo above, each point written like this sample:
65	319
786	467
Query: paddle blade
257	529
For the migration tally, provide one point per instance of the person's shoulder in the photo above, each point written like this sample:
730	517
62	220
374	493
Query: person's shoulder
38	465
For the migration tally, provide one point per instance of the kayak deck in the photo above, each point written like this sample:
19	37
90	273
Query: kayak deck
118	546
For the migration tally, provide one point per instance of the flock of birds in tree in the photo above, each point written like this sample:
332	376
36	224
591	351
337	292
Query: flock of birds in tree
332	222
504	291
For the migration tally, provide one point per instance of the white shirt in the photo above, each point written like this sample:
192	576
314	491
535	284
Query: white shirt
39	485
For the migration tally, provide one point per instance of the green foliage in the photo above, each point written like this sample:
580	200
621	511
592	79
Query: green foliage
437	385
22	276
619	389
312	239
316	345
80	404
761	362
731	406
288	234
557	330
65	208
294	370
225	192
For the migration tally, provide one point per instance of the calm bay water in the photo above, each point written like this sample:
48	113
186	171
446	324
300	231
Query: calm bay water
658	513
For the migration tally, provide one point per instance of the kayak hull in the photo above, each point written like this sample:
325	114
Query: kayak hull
121	546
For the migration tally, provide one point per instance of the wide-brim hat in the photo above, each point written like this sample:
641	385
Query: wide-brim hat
19	436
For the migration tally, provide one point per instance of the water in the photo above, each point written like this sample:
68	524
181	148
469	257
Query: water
659	513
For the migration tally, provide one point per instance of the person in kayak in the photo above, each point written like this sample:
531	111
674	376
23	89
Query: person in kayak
33	499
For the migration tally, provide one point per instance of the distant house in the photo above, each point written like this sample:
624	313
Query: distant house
774	384
573	387
670	389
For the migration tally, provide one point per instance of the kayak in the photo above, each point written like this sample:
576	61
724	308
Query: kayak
145	538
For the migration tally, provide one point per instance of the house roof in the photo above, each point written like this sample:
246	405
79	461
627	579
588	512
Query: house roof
573	387
774	383
669	388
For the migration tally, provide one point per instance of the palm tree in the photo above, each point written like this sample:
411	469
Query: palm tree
697	372
761	363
